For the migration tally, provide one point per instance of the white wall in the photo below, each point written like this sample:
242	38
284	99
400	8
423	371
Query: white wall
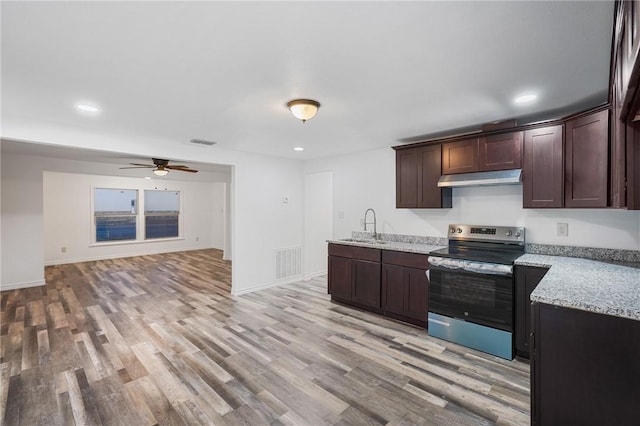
318	221
263	222
219	215
0	210
22	230
367	179
68	217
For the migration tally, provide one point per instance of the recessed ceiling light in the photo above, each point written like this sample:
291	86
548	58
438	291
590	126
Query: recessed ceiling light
298	148
147	178
526	98
87	108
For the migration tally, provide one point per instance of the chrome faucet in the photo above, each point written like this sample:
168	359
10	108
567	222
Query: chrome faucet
375	233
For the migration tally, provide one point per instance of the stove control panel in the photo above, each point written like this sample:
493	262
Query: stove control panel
506	234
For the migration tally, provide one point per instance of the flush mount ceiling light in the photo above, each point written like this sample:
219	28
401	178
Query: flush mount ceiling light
87	108
525	98
303	109
298	148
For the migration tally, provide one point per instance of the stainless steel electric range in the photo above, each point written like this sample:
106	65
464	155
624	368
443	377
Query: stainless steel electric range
471	287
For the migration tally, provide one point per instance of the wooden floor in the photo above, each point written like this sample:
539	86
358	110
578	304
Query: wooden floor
159	340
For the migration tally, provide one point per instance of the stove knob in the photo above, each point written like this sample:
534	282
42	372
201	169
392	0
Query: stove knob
452	230
509	233
517	234
459	230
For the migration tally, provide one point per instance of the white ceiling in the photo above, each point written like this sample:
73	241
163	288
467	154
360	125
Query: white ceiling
384	72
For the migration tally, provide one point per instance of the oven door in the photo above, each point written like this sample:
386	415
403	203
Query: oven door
476	292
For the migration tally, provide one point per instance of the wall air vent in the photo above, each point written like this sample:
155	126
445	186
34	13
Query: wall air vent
202	142
288	262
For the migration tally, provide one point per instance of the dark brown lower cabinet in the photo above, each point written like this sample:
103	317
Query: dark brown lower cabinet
585	368
354	276
527	278
340	277
365	287
382	281
405	287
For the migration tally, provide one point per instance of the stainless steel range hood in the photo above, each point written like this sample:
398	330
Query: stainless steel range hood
502	177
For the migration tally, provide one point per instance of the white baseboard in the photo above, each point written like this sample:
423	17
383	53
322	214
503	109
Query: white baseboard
315	275
17	286
265	286
118	256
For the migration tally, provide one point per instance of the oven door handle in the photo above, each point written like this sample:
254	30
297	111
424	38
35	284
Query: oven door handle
470	266
428	275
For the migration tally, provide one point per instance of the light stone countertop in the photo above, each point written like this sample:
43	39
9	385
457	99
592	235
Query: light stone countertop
419	248
588	285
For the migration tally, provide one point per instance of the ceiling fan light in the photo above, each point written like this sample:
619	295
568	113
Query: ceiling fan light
303	109
161	172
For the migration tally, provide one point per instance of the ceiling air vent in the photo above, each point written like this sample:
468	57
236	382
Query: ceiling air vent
202	142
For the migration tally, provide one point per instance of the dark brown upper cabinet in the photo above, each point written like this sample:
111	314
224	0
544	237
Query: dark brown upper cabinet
587	160
407	178
625	100
487	153
633	167
500	152
417	173
543	168
460	157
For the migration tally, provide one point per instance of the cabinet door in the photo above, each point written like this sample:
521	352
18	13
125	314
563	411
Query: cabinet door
527	278
500	152
407	178
587	161
543	169
633	166
416	294
585	369
460	157
366	286
429	172
393	294
340	278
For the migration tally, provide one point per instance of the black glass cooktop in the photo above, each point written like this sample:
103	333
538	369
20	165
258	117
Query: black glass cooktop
503	257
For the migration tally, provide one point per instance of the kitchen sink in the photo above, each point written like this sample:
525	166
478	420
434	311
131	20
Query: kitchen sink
364	240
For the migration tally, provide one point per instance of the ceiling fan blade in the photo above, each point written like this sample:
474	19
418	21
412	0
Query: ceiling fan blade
142	165
177	166
137	167
181	169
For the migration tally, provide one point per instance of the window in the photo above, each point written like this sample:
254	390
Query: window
115	214
161	214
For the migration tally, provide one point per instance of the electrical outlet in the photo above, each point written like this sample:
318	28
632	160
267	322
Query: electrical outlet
340	215
563	229
63	249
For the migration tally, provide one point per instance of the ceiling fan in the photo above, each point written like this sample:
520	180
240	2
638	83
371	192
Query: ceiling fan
160	167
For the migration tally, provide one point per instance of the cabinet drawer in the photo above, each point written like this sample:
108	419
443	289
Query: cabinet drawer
339	250
364	253
355	252
411	260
